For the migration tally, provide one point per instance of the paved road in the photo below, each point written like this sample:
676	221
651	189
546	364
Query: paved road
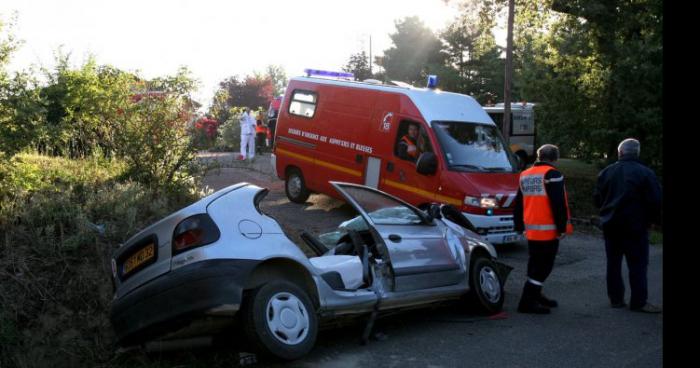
583	332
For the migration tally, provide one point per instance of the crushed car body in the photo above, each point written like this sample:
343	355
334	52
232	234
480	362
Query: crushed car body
222	260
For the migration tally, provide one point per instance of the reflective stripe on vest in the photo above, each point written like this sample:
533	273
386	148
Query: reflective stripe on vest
538	217
540	227
413	154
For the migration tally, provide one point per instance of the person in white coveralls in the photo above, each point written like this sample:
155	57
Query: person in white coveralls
247	135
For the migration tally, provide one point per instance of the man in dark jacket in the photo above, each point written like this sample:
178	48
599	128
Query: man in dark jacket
542	211
629	197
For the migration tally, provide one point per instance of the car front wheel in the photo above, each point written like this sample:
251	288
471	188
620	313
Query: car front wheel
280	320
486	286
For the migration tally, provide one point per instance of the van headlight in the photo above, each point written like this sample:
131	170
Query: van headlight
483	202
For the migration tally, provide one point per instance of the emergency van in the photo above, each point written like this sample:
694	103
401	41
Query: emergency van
522	127
343	130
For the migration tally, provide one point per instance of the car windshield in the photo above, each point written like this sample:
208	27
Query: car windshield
473	147
330	238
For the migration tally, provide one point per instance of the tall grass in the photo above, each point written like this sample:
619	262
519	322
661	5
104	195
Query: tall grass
54	264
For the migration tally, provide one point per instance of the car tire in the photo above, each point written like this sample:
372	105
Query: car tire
280	321
295	186
486	287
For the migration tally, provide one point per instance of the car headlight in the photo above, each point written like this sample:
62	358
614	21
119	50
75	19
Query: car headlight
483	202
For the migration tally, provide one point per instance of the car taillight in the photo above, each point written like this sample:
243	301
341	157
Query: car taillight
194	232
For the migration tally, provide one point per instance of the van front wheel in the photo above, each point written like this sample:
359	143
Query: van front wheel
295	187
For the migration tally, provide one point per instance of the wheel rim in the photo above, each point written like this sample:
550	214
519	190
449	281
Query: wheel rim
294	185
287	318
490	284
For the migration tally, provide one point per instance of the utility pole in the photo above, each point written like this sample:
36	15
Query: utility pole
509	73
370	56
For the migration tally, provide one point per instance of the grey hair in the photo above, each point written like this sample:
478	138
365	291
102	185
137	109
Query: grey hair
629	146
548	152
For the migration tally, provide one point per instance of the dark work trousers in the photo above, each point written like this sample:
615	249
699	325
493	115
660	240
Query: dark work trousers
539	266
260	144
271	127
541	262
634	247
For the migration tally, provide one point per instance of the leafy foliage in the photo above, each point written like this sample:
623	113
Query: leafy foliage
358	64
416	53
596	67
154	134
54	265
254	91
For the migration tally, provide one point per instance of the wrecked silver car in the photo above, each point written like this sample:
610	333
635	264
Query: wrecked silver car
222	260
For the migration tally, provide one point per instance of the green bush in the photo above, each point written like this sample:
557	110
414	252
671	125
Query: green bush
580	180
154	136
231	131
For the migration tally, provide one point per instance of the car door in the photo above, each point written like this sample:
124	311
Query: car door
417	247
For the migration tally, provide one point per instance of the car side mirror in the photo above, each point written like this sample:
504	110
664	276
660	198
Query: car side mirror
434	211
427	163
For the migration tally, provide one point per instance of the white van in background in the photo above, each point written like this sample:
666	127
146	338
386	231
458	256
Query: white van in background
522	127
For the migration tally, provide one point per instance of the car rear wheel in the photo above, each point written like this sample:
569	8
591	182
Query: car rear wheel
280	321
485	285
295	187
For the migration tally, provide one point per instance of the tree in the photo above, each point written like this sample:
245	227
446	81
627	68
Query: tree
627	37
82	107
472	51
595	65
154	134
278	77
358	65
20	106
254	91
416	52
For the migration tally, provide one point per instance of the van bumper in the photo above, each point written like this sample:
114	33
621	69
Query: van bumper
495	229
174	299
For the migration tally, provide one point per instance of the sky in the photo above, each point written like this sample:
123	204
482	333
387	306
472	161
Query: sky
214	39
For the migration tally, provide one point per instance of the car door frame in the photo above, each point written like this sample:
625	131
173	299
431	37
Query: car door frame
409	272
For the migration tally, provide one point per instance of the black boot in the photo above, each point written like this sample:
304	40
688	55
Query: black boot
528	301
551	303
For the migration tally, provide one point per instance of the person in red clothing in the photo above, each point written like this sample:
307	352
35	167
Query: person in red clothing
542	212
260	133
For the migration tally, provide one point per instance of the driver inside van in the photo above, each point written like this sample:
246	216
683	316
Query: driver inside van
409	147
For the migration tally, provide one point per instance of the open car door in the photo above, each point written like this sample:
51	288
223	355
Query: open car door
418	249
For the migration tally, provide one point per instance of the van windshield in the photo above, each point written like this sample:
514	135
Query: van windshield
473	147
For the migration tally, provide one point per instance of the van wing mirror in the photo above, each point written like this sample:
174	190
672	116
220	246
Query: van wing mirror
427	163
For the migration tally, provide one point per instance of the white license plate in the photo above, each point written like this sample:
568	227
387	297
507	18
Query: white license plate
511	238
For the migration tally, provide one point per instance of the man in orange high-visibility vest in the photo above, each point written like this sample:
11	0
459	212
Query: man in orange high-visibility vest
542	211
408	145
